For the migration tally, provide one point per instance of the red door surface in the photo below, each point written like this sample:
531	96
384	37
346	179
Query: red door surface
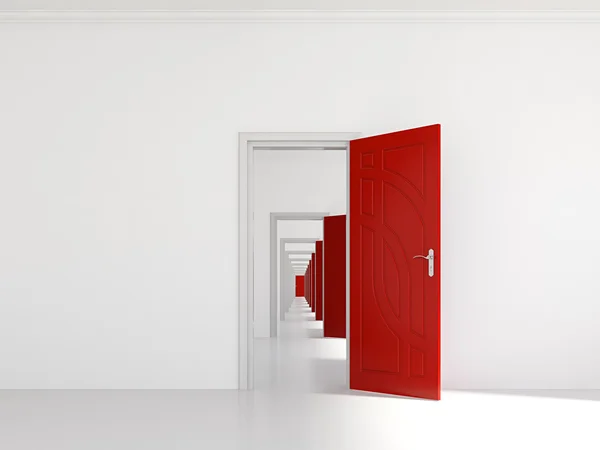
319	280
313	287
305	282
306	289
299	285
394	289
309	285
334	276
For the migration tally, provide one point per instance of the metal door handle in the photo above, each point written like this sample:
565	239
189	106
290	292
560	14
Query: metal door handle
430	257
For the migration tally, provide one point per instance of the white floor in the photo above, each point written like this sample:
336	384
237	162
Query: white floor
300	403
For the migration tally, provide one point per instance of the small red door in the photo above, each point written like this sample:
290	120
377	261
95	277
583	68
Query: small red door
319	280
299	285
309	285
313	280
334	276
305	282
395	263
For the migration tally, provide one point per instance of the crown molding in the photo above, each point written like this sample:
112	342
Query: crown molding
295	16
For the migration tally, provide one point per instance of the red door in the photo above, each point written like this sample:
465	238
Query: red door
334	276
313	287
319	280
309	285
305	282
394	290
299	285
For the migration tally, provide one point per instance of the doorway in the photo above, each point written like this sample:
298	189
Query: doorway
393	222
275	278
249	143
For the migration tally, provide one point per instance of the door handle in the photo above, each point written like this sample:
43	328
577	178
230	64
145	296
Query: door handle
430	257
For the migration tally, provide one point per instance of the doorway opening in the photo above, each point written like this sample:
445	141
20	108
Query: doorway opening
275	274
249	143
389	239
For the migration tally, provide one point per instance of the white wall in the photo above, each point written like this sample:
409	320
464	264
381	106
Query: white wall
118	188
290	181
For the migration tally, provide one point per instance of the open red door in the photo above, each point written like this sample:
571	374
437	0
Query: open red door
334	276
319	280
313	280
395	263
307	290
312	299
309	287
305	283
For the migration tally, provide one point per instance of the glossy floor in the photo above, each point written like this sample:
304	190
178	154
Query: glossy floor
300	403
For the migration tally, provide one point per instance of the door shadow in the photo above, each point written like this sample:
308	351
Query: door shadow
569	394
314	333
329	377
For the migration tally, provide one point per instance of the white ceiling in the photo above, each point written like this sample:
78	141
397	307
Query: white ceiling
317	5
299	247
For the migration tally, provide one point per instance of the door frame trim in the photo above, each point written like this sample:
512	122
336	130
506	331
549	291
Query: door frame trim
273	280
287	254
283	255
247	144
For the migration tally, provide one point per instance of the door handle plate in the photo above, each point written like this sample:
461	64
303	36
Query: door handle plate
430	258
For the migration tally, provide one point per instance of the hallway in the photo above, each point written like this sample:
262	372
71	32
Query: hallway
301	360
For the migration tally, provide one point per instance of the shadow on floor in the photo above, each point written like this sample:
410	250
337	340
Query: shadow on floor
314	333
329	377
569	394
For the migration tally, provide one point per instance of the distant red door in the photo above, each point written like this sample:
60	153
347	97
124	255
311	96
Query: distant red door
334	276
319	280
308	285
313	278
394	290
305	282
306	289
299	285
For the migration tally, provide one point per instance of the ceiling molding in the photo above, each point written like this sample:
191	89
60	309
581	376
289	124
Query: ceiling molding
295	16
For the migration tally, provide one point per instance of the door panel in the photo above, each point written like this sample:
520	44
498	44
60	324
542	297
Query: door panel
334	276
394	303
305	282
313	278
311	283
309	286
319	281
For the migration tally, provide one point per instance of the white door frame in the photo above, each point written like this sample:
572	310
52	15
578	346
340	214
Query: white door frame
275	218
284	258
248	143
